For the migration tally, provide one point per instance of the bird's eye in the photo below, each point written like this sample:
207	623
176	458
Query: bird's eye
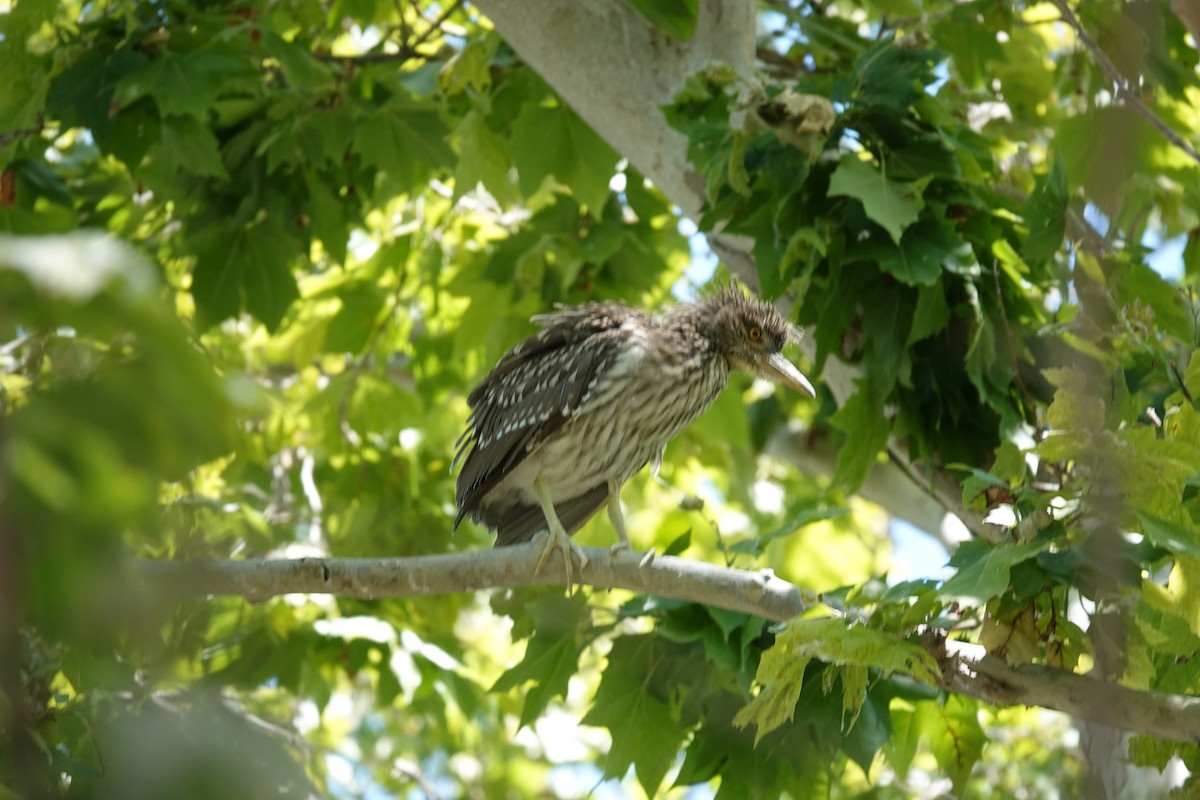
755	333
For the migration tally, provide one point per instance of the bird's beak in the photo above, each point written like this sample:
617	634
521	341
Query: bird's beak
777	368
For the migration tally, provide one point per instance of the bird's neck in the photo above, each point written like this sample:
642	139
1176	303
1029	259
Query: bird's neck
683	342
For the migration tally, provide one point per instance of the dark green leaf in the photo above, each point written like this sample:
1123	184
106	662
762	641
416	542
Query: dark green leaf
40	180
248	268
894	206
82	95
181	83
555	141
406	141
551	658
983	570
189	146
932	313
645	732
894	76
1045	215
866	429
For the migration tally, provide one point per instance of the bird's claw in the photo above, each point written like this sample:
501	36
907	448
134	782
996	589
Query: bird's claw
648	558
560	540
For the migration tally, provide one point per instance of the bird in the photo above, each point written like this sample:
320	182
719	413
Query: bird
568	415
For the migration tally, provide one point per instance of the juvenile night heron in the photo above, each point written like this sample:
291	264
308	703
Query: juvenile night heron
571	413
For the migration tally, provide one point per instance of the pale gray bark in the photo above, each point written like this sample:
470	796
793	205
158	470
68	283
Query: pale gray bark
966	670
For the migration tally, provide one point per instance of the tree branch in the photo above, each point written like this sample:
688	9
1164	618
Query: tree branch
13	135
1123	88
988	678
1188	12
759	593
967	670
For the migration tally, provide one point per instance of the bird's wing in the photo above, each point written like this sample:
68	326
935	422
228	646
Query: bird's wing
534	390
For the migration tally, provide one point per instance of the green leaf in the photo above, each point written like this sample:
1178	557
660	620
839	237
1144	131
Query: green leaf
82	95
955	736
894	76
675	18
132	132
866	429
1171	536
189	146
781	675
894	206
551	658
186	83
483	158
351	327
886	328
983	570
329	222
918	259
555	141
680	543
932	313
25	70
302	69
901	748
40	180
1045	215
645	731
247	268
406	141
836	641
469	67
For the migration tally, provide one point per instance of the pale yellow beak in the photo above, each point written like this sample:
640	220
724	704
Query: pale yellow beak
776	368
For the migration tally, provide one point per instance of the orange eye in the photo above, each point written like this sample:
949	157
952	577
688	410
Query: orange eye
755	333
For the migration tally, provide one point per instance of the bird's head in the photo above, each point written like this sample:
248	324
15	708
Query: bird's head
750	333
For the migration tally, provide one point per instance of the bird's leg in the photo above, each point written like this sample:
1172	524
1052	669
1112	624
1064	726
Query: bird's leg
617	519
559	538
618	522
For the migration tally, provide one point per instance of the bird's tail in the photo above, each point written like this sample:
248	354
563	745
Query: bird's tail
520	523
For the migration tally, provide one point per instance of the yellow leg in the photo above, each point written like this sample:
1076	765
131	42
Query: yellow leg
559	538
617	518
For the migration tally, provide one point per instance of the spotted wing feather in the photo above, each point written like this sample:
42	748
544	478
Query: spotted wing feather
535	389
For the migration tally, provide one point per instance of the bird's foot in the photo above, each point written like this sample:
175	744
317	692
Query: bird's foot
558	539
648	558
619	547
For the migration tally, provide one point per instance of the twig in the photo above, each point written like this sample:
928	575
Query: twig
437	23
1123	88
405	53
12	136
978	675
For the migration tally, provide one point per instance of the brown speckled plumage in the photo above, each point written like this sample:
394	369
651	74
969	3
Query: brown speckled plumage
594	396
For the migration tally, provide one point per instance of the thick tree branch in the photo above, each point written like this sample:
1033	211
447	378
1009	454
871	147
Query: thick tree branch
758	593
968	671
1188	12
992	680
